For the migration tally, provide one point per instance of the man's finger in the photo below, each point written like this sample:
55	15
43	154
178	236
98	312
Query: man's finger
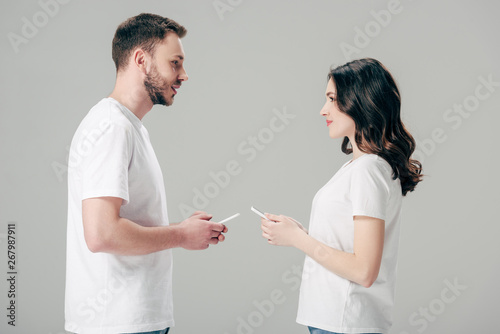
198	213
203	216
213	241
214	234
217	227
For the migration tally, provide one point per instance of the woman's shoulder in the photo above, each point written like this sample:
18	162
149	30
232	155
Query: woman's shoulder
372	169
370	160
372	164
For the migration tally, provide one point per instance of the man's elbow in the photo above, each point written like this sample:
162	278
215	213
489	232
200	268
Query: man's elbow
99	218
97	242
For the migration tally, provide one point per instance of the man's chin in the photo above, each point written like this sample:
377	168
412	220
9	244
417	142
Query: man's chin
162	100
168	102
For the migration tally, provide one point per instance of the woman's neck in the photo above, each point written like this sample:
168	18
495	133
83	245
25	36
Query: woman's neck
356	152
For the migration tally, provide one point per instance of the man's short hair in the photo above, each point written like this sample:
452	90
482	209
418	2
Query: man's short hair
143	31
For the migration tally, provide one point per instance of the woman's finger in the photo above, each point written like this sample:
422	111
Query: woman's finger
275	218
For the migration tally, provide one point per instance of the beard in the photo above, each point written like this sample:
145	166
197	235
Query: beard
155	85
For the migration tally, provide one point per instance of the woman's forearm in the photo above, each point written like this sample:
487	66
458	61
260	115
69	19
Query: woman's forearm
361	266
344	264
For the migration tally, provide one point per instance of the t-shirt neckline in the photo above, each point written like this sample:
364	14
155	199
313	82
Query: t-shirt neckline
127	112
350	162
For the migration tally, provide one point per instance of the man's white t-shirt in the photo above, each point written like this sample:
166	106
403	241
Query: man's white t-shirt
361	187
111	155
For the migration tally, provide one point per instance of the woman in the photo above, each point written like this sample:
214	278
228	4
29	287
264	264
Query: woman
349	274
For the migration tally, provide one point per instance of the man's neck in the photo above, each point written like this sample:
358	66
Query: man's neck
132	96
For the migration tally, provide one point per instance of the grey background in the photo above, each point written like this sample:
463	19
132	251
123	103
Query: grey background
262	55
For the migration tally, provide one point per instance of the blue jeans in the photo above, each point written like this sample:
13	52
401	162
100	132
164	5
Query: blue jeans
313	330
163	331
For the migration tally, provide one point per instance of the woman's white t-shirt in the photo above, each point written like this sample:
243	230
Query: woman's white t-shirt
361	187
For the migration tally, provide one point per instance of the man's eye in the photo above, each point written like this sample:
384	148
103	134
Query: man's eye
175	62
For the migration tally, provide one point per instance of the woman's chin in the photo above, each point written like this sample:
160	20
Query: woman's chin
334	135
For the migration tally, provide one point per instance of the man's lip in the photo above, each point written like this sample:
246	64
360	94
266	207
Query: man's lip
174	88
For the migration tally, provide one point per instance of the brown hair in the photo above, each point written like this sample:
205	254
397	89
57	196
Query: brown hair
142	31
368	93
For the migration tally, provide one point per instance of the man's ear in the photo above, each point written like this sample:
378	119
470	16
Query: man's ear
141	60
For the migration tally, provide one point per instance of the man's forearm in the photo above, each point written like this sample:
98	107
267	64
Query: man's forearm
124	237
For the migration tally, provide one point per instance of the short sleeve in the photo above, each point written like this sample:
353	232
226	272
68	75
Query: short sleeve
106	161
370	189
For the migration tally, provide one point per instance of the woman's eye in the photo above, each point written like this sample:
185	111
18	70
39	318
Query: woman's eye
332	99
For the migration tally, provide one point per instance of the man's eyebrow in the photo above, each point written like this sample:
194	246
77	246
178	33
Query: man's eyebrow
180	57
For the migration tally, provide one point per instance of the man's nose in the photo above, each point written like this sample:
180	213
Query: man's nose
183	75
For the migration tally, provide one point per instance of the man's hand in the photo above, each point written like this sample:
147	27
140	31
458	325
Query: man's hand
199	232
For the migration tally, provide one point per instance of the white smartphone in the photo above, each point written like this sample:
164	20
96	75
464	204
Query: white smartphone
229	218
260	213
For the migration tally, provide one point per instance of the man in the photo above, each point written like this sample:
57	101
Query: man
119	260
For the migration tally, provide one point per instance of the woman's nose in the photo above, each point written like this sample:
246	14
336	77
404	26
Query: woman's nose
323	111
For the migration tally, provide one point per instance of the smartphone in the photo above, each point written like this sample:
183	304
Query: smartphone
260	213
228	219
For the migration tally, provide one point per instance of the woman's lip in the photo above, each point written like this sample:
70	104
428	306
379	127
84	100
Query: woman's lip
328	123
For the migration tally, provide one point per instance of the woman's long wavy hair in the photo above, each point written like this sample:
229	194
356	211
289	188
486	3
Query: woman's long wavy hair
367	92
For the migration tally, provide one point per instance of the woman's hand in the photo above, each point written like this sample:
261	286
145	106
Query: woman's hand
282	231
299	225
